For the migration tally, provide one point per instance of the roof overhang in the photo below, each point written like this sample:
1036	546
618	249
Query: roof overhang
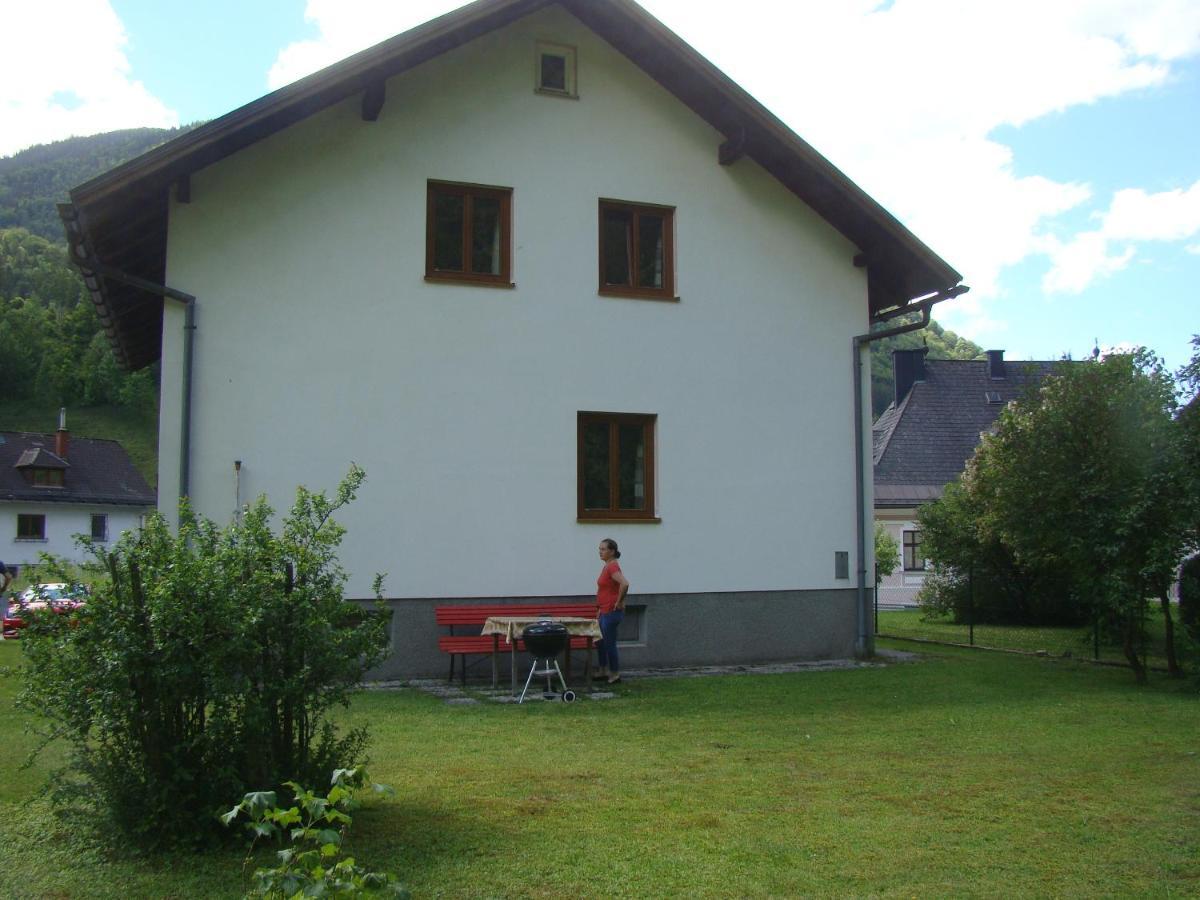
118	221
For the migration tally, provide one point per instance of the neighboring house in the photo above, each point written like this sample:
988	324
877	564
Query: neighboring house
549	277
923	440
54	487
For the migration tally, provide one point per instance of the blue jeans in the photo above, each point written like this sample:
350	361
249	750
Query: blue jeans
608	642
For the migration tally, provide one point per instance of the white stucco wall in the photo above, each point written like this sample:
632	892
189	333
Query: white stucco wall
901	587
319	342
63	522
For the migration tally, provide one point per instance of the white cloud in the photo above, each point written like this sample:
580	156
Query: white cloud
1134	217
63	72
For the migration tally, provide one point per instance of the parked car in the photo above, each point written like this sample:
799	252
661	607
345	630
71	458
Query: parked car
58	596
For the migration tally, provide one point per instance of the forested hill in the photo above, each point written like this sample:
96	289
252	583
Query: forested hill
35	179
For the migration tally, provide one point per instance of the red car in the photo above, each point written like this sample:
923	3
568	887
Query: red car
60	597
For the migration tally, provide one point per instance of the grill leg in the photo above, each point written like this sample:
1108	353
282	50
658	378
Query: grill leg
532	669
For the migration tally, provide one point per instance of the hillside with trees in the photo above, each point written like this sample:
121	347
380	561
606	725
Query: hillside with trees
53	351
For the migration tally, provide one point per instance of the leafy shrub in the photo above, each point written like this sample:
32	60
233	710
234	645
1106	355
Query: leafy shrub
315	827
205	664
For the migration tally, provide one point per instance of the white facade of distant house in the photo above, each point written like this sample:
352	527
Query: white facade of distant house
28	529
319	341
899	590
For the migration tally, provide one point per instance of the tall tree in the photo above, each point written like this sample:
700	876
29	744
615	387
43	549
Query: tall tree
1087	475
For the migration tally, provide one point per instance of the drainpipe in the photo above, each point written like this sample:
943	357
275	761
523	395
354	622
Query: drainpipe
864	645
189	332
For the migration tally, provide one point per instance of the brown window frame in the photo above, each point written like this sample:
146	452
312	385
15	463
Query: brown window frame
649	422
667	214
911	546
469	192
25	533
46	477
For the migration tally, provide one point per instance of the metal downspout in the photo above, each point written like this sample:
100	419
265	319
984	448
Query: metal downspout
864	645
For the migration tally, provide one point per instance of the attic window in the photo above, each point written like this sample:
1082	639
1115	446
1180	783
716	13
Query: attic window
555	70
45	477
993	397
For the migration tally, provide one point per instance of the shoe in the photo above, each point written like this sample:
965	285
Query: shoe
614	679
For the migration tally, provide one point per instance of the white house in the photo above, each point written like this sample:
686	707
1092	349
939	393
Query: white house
549	277
923	440
54	487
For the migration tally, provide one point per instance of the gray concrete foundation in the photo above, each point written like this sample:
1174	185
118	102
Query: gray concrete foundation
673	630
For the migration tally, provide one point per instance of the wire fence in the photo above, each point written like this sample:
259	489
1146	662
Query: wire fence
1079	643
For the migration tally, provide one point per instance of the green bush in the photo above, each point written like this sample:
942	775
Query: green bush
206	663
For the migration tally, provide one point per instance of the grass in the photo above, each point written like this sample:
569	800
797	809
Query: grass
964	774
136	431
1073	642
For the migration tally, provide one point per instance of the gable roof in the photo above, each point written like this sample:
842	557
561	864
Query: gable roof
119	219
100	472
922	444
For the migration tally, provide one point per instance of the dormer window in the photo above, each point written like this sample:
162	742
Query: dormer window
993	397
46	477
41	468
555	70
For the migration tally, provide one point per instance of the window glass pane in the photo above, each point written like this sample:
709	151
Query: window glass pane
631	442
448	232
99	527
650	251
618	246
30	526
485	240
554	72
595	466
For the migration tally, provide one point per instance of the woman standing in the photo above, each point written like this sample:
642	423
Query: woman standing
611	588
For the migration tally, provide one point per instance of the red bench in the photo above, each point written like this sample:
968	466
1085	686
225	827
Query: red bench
472	616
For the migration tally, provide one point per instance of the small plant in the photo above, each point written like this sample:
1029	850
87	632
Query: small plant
315	827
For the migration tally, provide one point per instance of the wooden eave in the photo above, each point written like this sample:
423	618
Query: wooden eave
120	217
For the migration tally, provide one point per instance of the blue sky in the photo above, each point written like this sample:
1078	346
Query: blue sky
1049	151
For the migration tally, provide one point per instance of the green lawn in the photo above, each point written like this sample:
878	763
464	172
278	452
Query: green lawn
965	774
1072	642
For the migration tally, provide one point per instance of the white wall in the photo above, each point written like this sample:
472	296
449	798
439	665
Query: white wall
319	342
63	522
901	587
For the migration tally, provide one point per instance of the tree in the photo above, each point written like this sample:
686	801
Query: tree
887	554
1087	476
206	665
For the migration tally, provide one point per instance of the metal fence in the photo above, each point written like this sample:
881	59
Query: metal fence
1080	643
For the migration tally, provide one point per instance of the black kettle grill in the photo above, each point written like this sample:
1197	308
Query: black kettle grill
544	641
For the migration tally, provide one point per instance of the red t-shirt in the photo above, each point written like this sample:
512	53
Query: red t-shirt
607	590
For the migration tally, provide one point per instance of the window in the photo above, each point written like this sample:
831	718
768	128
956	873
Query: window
99	527
913	560
555	70
47	477
468	234
31	527
637	250
616	466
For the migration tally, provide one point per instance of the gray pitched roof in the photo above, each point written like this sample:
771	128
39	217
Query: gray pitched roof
923	444
100	472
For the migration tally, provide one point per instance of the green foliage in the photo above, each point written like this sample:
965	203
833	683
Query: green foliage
1189	596
33	180
977	577
942	344
52	348
1087	478
887	553
208	662
315	828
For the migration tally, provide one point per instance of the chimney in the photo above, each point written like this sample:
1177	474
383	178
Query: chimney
996	363
61	437
908	367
